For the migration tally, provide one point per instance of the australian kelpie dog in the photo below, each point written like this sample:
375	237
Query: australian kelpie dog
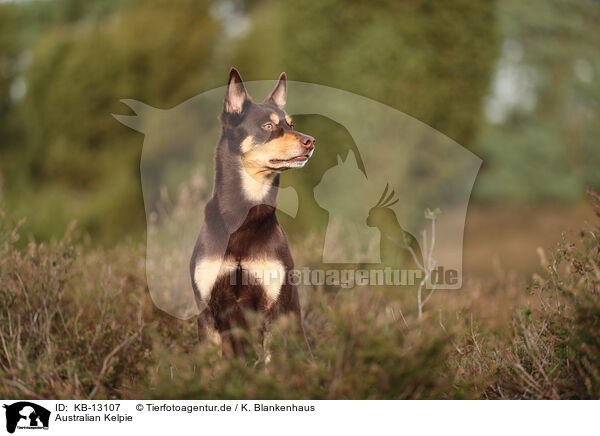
241	259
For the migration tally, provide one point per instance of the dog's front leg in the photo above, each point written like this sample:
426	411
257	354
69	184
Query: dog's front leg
232	327
207	330
270	315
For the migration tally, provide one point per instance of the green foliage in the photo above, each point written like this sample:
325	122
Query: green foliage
430	60
64	157
67	158
548	150
9	45
75	157
526	163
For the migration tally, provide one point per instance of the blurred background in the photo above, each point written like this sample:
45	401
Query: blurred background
515	82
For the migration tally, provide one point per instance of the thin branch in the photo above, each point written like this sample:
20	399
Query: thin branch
107	360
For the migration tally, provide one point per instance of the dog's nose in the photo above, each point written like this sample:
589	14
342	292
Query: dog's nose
308	142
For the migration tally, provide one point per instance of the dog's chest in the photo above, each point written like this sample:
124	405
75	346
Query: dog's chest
269	274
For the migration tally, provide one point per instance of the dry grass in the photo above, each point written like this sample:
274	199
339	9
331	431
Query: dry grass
77	322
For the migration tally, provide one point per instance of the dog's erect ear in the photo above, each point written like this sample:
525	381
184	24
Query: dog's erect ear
279	93
236	93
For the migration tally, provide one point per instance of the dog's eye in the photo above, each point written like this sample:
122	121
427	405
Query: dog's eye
292	125
268	126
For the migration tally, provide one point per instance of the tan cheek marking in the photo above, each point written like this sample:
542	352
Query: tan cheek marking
281	146
246	144
288	120
258	158
274	118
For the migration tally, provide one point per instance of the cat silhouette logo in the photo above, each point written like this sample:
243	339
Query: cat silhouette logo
26	415
383	189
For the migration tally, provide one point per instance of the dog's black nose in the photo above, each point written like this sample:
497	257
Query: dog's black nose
308	142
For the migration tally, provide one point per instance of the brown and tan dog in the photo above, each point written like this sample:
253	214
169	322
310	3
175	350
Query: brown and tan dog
241	259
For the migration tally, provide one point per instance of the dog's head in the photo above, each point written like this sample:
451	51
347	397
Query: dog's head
262	134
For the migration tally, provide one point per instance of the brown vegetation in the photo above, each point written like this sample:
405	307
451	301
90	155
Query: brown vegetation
77	322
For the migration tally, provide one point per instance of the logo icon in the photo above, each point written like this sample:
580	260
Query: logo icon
384	191
26	415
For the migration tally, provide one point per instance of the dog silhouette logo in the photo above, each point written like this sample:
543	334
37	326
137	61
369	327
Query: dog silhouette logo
365	199
26	415
347	217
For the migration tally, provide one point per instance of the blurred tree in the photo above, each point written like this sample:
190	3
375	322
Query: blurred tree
9	50
430	60
542	142
80	162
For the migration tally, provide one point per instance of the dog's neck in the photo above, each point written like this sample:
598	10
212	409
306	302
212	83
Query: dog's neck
237	190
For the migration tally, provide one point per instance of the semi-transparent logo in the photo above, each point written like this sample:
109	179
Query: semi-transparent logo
382	201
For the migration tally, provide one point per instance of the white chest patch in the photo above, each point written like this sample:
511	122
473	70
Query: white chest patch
208	271
269	274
